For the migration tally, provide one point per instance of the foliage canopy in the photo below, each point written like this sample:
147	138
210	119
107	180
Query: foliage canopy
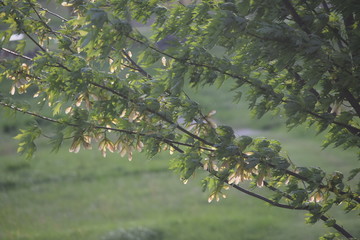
110	85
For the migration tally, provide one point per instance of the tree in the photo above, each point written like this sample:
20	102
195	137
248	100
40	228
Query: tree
120	89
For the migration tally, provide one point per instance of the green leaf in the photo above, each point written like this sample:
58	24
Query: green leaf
26	139
97	16
353	173
243	142
57	141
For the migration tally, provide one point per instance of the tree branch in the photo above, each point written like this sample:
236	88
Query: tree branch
140	69
156	113
336	226
38	44
355	131
149	110
16	54
54	14
334	30
352	129
171	142
352	100
296	16
300	177
276	204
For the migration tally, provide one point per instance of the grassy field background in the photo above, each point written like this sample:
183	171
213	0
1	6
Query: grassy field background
85	196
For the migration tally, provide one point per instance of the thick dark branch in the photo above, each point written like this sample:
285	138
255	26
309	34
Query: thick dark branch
352	100
276	204
338	228
33	40
334	30
273	203
338	35
325	6
349	22
296	16
300	177
252	194
323	217
355	131
302	82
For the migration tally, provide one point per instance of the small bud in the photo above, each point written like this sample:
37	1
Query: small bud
163	61
12	91
68	110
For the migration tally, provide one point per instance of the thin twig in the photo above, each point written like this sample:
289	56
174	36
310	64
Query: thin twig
140	69
54	14
16	54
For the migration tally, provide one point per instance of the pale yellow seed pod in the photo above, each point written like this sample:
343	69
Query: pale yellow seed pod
163	61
